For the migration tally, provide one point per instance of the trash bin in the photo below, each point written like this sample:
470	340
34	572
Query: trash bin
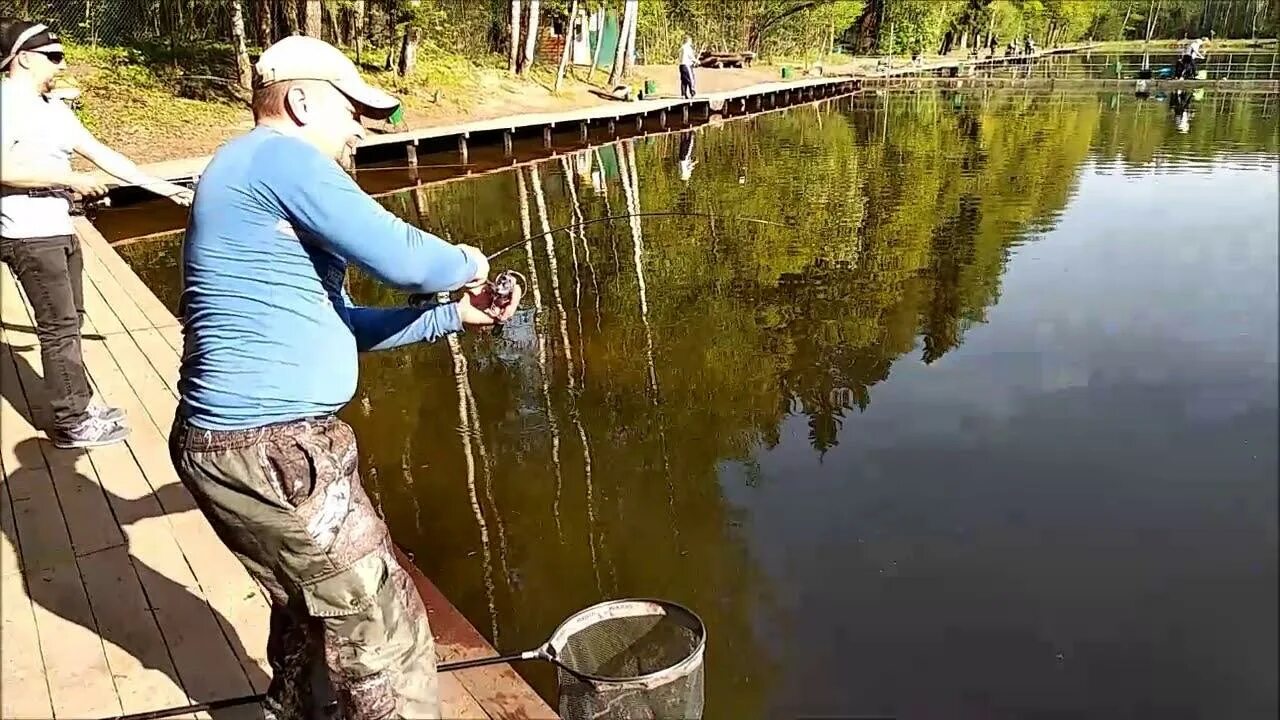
786	72
650	88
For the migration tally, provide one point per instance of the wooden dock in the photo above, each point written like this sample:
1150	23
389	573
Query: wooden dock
961	65
116	597
612	119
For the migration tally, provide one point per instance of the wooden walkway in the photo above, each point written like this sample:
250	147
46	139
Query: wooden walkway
116	597
612	114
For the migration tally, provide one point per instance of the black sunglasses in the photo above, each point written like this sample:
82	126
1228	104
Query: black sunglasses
55	56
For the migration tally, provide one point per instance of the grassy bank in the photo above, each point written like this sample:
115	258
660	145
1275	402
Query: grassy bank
156	103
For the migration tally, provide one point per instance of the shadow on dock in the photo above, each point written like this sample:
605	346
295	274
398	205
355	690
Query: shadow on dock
59	581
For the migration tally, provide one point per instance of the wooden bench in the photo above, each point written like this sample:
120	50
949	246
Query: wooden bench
726	59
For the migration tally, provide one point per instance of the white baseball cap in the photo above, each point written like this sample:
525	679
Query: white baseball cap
299	57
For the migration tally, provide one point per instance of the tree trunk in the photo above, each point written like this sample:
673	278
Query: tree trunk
629	55
531	36
264	33
620	54
243	68
312	18
1124	25
287	20
408	50
357	28
595	56
391	39
569	35
513	59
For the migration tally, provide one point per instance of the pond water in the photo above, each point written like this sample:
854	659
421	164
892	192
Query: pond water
989	430
1233	65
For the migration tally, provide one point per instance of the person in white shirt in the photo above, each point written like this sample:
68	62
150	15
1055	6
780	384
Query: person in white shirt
38	133
1192	53
687	60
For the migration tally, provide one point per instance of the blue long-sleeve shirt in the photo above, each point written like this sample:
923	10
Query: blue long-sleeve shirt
271	334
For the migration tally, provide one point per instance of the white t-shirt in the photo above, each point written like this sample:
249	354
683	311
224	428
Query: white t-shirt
687	58
32	126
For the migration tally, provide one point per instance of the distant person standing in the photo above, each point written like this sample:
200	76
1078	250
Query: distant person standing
687	60
1192	53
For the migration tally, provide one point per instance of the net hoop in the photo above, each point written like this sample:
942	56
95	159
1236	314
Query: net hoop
616	609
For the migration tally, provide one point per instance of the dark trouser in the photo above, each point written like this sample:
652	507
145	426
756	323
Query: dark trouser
50	270
1189	67
347	623
686	82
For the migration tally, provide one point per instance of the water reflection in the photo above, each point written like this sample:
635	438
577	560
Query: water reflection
1061	500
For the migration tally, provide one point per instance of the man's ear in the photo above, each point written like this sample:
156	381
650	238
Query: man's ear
296	104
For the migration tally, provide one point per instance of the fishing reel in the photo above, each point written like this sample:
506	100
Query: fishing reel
501	291
78	205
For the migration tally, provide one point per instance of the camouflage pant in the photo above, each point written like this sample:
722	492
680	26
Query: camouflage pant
347	623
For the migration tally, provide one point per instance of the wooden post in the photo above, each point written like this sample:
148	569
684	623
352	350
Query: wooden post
506	143
462	148
613	126
684	113
639	123
662	118
582	131
546	137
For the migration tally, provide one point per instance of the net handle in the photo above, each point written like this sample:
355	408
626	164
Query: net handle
539	654
542	653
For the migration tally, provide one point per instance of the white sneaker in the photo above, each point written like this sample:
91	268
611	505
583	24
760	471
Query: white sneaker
93	432
98	409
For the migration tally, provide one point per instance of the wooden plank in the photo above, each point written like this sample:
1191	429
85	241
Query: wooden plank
123	304
87	515
136	652
173	335
499	690
147	302
157	400
24	692
456	702
9	563
98	312
199	560
79	678
161	355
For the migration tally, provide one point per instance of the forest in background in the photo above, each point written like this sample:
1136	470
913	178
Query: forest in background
398	34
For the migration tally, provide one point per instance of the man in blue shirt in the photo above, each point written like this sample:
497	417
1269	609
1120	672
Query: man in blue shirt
270	356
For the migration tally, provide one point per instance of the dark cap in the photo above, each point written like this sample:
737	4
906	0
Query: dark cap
19	35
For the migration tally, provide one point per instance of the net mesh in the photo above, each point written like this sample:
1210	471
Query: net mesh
631	660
